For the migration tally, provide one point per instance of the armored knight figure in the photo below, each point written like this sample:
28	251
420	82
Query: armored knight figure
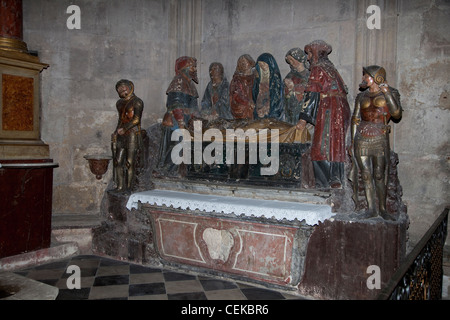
127	138
374	107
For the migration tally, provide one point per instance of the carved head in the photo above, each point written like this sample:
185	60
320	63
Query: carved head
245	64
295	56
216	72
267	63
125	88
317	50
188	67
376	72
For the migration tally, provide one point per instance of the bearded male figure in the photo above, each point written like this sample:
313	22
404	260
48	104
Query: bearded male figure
326	107
374	107
181	104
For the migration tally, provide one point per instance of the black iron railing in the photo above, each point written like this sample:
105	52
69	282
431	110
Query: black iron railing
420	276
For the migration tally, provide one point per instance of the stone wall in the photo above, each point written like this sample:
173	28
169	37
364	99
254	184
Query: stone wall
140	40
117	40
422	137
235	27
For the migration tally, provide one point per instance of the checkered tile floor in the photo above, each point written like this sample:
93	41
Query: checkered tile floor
107	279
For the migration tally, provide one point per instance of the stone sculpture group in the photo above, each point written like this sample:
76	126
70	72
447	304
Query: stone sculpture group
306	114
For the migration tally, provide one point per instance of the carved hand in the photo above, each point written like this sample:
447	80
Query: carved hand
384	87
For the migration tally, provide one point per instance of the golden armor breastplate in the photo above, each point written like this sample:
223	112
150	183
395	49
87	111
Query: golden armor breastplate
374	108
374	115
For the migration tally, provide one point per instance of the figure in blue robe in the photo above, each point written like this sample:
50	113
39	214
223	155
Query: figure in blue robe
268	89
216	99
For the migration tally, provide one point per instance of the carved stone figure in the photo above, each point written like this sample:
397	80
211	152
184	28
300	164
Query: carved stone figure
127	138
295	84
374	107
268	89
182	96
181	104
216	101
326	107
241	86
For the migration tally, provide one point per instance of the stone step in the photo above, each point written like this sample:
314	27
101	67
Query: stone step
75	228
75	221
56	251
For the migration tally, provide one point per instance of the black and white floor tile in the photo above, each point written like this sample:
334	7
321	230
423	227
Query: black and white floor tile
107	279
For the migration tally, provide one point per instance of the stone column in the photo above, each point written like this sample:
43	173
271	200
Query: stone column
19	89
11	29
26	172
185	30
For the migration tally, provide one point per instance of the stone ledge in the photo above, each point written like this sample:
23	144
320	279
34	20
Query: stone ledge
232	206
57	251
75	221
243	191
75	228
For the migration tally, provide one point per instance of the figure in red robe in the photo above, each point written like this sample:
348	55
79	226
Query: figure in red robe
241	99
326	107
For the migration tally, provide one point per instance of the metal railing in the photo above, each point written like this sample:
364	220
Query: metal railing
420	276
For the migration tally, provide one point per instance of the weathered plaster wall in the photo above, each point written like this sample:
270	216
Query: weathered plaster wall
140	40
422	137
117	39
235	27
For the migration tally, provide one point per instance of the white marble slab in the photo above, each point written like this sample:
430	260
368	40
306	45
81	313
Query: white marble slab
311	213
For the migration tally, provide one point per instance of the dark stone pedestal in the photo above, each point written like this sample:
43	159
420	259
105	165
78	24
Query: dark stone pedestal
128	234
26	205
123	234
340	252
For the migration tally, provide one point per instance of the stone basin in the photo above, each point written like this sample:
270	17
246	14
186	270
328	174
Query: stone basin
17	287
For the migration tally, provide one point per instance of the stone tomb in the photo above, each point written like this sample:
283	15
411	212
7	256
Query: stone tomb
301	247
305	241
258	239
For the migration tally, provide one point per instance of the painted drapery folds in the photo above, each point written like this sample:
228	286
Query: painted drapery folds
268	88
241	86
295	84
181	104
254	105
182	96
326	107
215	102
